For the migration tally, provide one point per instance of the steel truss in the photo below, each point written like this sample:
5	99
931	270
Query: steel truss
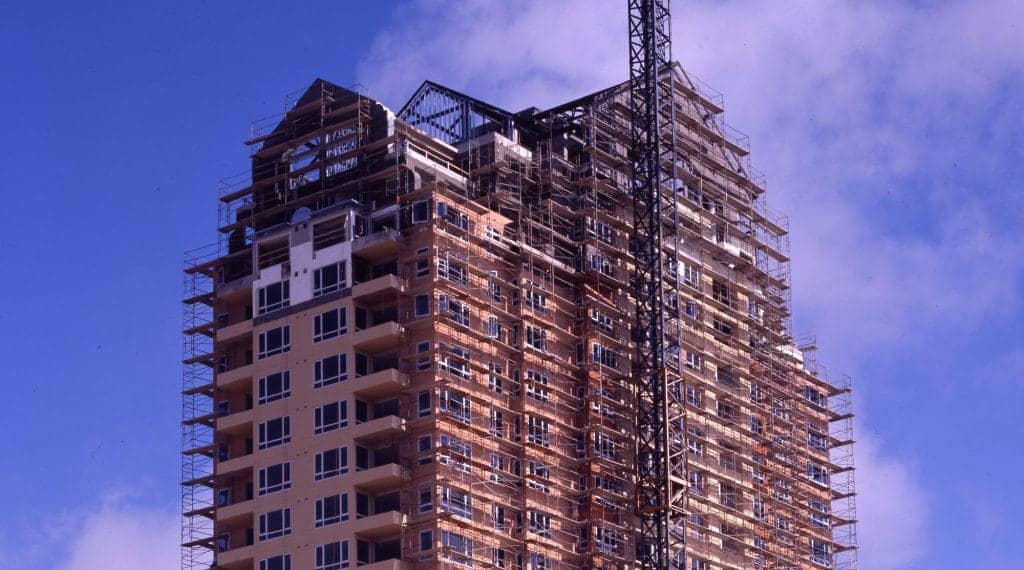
660	457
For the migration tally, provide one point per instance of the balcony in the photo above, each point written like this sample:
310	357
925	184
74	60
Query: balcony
378	337
236	423
240	463
393	564
240	557
379	429
380	478
378	384
383	287
234	331
388	523
231	450
234	546
240	376
237	513
378	246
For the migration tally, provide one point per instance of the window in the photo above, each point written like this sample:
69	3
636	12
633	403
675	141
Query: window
452	271
604	446
538	432
694	397
539	473
497	423
817	473
819	514
275	523
601	320
696	479
279	562
275	478
820	552
819	520
536	300
719	234
600	230
754	310
330	370
459	454
494	289
452	216
759	509
456	361
275	387
456	311
694	361
493	327
272	297
607	540
695	447
425	443
423	361
420	211
330	463
757	425
426	540
494	382
756	393
815	397
457	405
817	441
424	406
275	432
692	310
605	356
329	279
696	564
329	417
539	562
498	517
722	326
330	324
782	523
332	556
609	484
598	262
422	267
691	276
330	510
537	338
421	306
540	524
457	547
426	499
457	502
537	388
728	495
720	292
275	341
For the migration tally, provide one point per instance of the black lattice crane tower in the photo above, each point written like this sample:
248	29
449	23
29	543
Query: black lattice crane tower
660	453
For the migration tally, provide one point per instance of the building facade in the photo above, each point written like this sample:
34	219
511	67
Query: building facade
411	347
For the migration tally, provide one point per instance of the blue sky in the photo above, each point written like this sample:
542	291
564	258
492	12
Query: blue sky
890	133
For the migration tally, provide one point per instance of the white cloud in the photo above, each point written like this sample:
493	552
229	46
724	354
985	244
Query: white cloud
892	507
123	535
845	103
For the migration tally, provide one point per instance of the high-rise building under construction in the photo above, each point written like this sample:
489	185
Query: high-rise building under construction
412	347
